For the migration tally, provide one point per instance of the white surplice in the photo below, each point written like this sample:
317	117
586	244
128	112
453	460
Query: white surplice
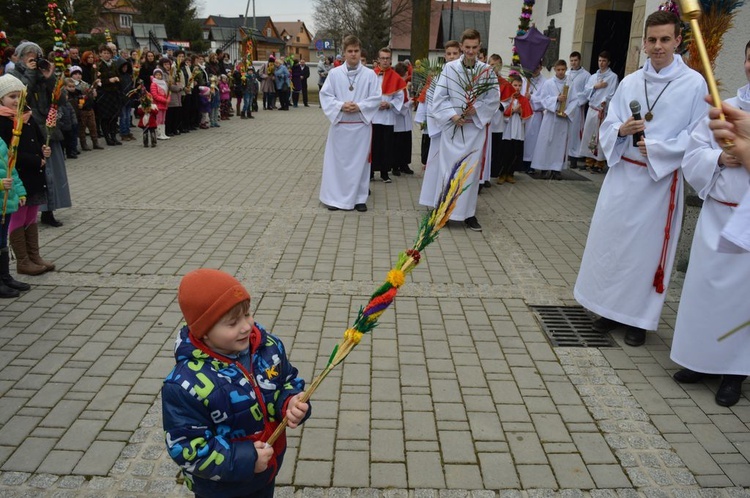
735	237
714	295
346	162
598	100
552	144
577	80
456	142
624	245
535	122
429	193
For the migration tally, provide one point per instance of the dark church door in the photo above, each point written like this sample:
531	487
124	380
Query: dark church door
611	33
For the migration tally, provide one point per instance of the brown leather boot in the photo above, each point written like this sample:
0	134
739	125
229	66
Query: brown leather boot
32	247
24	265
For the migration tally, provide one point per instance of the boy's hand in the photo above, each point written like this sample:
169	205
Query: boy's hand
295	411
264	456
8	184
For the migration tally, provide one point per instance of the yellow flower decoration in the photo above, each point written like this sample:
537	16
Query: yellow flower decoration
353	335
396	278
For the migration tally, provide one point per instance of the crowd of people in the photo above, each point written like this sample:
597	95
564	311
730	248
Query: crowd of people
104	95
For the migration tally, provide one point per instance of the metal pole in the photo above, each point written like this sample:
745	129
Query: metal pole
255	23
450	24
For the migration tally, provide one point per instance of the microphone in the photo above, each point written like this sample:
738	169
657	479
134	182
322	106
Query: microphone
635	109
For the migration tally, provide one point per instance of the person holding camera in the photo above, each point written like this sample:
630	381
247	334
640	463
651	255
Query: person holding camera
37	74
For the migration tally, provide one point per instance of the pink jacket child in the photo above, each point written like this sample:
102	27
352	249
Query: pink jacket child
225	93
160	94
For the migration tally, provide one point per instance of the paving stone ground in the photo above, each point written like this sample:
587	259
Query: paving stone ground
456	394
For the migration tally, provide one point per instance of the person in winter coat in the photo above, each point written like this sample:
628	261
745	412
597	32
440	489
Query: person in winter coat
127	85
83	103
230	388
160	94
37	73
176	85
282	81
10	92
225	96
249	92
147	112
267	85
23	230
296	82
68	121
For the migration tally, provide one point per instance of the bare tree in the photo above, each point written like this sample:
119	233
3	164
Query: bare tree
337	18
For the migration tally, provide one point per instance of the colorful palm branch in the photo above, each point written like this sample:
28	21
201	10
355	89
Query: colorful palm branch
382	298
51	121
13	149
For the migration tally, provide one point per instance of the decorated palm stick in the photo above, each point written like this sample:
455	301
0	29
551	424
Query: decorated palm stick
13	149
382	298
51	122
691	11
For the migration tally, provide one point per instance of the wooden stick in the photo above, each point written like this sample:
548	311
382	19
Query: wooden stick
13	149
691	11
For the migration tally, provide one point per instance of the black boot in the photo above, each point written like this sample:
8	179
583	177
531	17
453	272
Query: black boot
152	132
730	390
108	139
48	218
8	286
145	138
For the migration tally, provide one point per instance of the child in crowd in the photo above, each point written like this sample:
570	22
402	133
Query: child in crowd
249	93
231	387
10	90
160	96
148	112
215	102
32	157
517	111
204	106
225	97
83	103
68	120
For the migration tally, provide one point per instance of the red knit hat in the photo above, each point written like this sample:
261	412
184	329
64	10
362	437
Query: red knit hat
205	296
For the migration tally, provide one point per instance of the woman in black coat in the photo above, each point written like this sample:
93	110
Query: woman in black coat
37	74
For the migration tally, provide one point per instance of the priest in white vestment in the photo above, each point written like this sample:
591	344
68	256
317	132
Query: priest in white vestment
350	97
627	261
577	79
552	144
431	186
599	90
464	126
715	293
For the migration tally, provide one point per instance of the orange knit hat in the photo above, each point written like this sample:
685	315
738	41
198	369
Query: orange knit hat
205	296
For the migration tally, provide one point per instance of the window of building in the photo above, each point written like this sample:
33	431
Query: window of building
298	39
126	21
268	32
554	7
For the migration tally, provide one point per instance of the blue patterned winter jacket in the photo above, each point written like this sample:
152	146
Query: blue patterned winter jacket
214	407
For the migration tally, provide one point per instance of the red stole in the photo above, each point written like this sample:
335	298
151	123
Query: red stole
392	82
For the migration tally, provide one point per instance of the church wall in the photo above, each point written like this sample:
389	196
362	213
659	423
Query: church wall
577	21
729	69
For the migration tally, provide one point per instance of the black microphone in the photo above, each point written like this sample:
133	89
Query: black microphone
635	109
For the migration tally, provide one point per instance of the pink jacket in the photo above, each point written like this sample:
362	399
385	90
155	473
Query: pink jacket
225	93
161	98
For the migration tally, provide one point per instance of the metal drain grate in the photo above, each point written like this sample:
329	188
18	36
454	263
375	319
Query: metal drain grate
570	326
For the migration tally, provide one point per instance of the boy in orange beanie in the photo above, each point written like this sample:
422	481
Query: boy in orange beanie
230	389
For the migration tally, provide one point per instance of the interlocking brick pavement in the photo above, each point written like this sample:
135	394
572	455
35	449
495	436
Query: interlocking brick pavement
456	394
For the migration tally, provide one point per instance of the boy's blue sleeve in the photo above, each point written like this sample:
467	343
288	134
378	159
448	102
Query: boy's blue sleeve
291	385
193	445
